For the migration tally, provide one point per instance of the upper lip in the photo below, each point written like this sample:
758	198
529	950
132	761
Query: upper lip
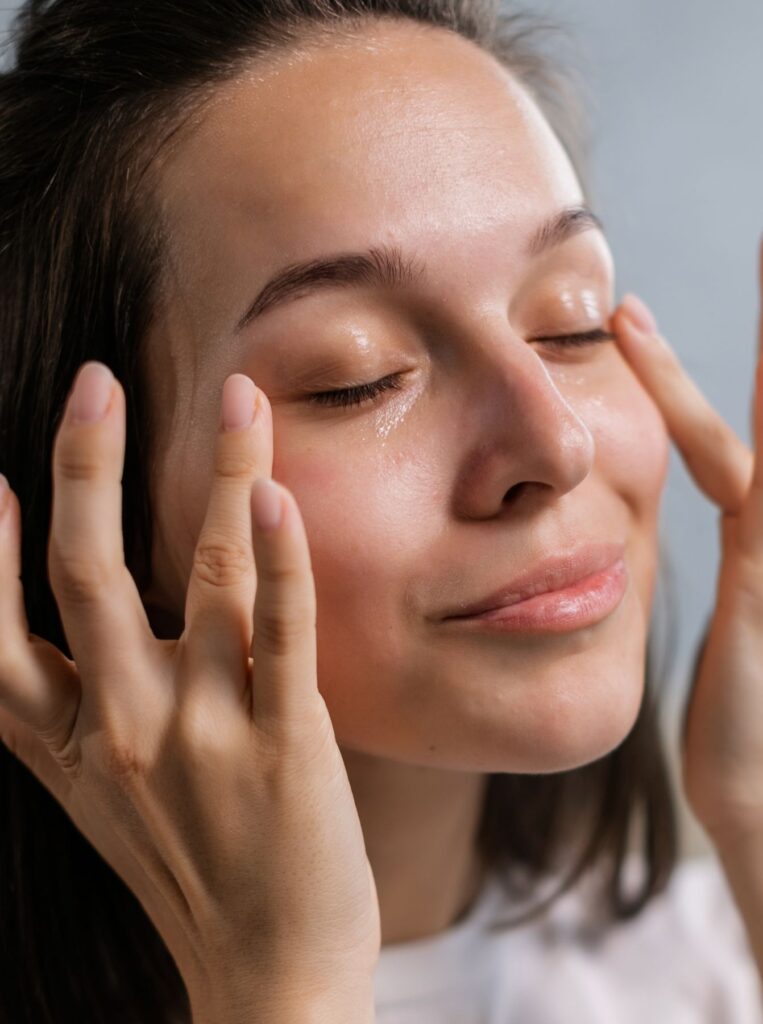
553	573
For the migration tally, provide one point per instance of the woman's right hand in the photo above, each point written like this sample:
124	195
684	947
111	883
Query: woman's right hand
210	780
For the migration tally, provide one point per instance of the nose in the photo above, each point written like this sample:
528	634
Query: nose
524	438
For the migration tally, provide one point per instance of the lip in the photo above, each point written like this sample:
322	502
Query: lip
558	573
582	605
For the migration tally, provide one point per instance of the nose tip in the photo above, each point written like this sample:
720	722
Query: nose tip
530	440
557	448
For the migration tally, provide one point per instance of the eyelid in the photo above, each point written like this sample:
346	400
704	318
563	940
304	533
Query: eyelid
365	392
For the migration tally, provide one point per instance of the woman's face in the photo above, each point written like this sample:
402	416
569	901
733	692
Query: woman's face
496	451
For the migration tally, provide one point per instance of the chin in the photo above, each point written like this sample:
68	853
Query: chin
556	714
566	719
491	711
566	716
589	722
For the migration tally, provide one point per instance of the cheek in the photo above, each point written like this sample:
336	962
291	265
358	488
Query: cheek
632	445
367	517
632	455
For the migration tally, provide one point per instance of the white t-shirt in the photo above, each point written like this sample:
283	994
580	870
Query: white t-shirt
685	959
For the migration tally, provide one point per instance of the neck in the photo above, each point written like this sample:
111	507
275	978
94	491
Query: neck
420	827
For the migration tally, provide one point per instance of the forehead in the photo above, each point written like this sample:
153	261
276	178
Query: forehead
390	132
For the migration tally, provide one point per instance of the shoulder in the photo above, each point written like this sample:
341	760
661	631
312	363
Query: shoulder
697	904
688	943
684	956
696	908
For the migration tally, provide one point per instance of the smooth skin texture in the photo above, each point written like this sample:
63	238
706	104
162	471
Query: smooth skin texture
407	501
496	451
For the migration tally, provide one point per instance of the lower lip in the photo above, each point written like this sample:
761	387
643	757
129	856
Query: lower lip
557	611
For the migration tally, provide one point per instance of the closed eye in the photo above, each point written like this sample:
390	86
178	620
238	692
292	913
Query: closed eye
580	338
360	393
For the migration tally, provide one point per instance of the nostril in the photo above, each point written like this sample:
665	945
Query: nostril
518	490
513	492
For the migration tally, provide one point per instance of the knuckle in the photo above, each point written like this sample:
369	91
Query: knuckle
232	461
278	634
222	562
123	762
78	579
198	729
76	462
280	575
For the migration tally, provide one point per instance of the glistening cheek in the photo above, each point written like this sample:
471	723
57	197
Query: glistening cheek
632	447
634	456
645	451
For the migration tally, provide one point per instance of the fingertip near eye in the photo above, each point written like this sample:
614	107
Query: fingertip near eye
239	402
639	314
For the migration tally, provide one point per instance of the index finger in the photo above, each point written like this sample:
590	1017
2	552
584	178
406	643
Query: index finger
719	461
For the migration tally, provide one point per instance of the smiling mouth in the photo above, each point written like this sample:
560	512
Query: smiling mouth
582	604
556	573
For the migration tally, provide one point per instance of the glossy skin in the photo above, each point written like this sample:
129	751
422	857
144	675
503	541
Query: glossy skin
497	450
433	147
405	497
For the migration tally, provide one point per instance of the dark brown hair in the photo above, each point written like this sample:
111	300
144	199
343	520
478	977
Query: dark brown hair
95	91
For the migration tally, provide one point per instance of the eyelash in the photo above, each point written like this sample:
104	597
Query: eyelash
360	393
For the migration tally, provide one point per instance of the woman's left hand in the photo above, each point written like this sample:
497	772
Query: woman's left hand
722	742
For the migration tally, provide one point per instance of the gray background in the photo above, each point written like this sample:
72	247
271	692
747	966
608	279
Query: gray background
674	95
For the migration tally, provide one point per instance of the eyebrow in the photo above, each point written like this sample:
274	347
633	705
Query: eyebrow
387	266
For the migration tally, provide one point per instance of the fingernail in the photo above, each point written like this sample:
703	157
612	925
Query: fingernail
92	393
4	492
640	314
239	402
267	507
